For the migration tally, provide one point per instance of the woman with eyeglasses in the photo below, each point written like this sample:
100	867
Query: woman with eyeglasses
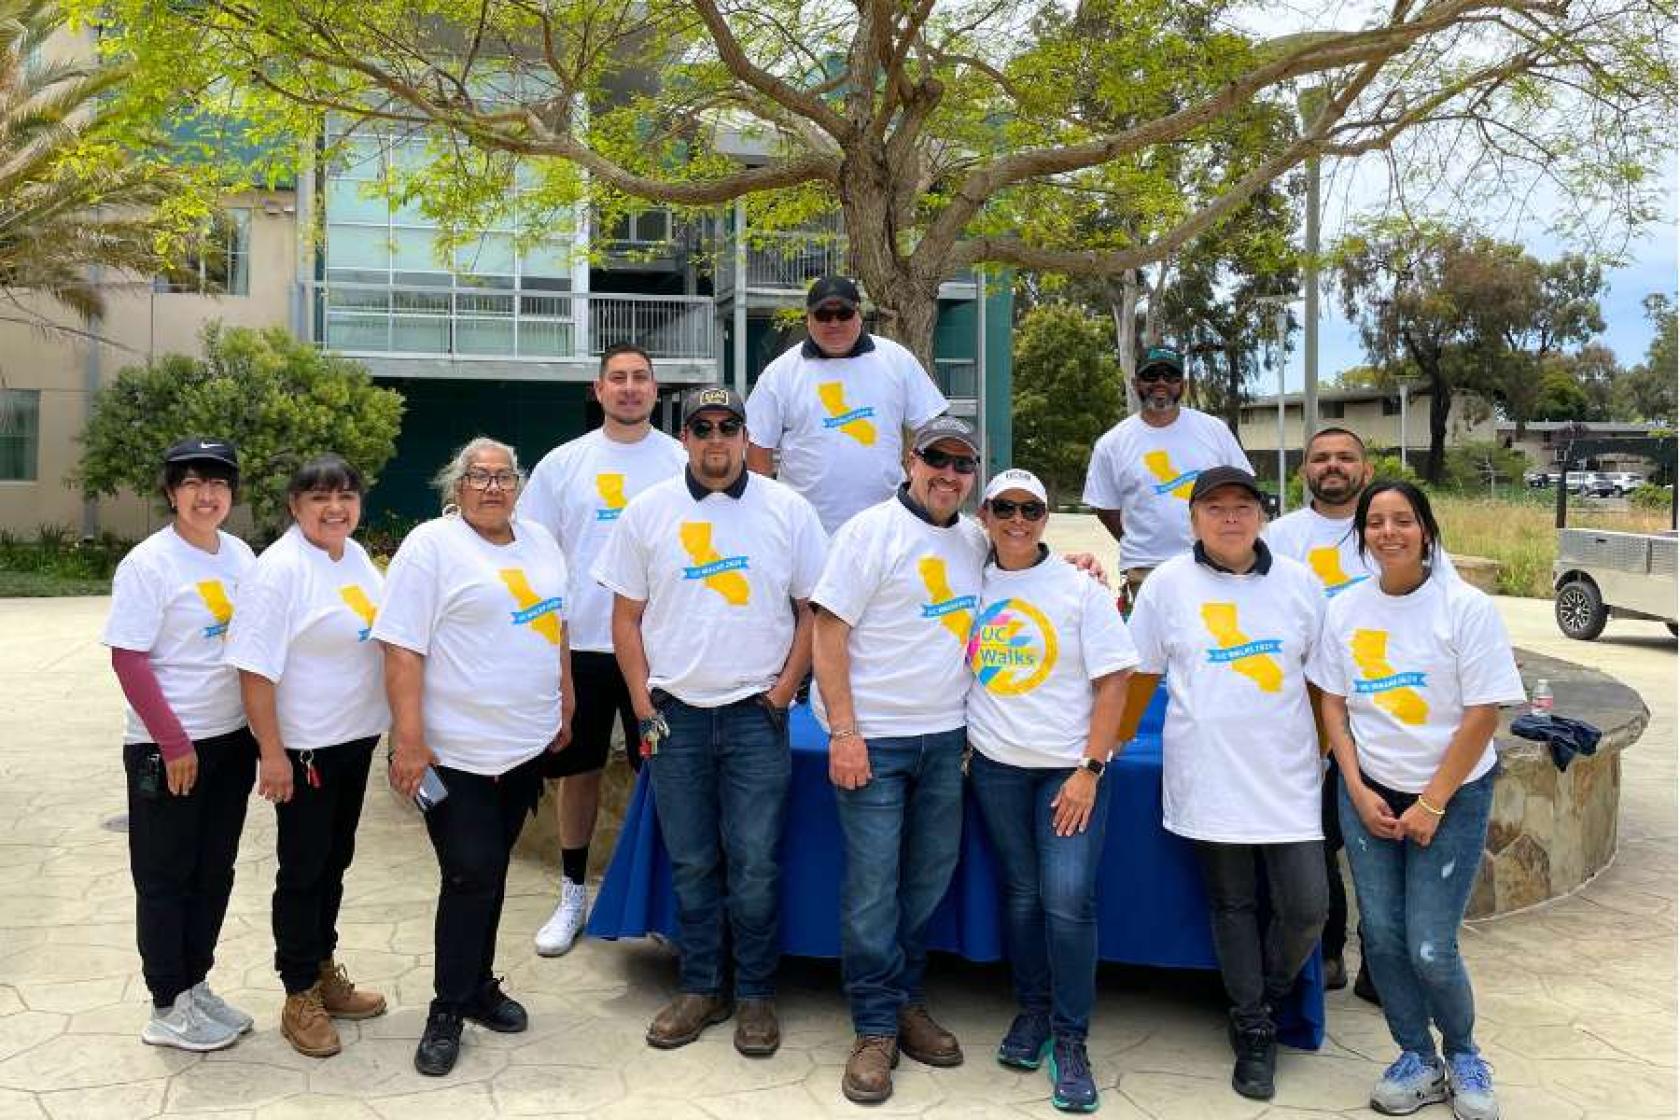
478	675
1051	660
189	757
1414	668
313	683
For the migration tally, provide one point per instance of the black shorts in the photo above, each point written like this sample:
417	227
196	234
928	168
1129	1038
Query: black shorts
601	695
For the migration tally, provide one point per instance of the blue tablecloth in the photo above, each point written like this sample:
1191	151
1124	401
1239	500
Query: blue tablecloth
1151	907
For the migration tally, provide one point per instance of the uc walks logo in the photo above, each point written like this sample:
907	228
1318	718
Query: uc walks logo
855	422
540	614
1170	480
1254	659
1391	691
720	573
954	612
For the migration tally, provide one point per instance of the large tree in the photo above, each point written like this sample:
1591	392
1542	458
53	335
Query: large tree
1647	391
945	133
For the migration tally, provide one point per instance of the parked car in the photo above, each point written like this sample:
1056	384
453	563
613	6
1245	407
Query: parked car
1541	480
1601	485
1626	481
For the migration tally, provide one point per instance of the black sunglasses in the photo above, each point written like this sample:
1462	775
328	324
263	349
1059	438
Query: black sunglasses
1158	373
703	429
939	460
834	314
1030	510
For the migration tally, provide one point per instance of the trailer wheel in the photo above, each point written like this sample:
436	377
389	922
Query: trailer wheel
1580	610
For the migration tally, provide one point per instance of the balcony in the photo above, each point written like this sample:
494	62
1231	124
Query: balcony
514	334
781	265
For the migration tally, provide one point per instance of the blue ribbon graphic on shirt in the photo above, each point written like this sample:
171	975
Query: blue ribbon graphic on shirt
1247	649
727	564
1332	592
950	606
536	610
845	418
1392	682
1173	484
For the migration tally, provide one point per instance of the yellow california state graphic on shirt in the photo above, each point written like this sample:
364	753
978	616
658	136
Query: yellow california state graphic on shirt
954	612
1395	693
611	489
216	600
1170	480
357	600
855	422
541	615
1326	563
1252	658
720	573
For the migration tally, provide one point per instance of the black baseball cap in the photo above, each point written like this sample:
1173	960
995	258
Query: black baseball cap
832	289
713	396
1163	356
199	449
1215	477
946	427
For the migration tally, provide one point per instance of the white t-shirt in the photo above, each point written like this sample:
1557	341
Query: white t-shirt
577	493
839	423
1147	473
909	590
1330	547
1409	665
1240	751
1041	636
305	622
174	601
490	621
718	575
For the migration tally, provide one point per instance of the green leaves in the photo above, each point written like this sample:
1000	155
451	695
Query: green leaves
1066	392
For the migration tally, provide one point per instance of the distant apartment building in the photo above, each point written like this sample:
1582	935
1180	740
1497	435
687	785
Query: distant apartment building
1377	416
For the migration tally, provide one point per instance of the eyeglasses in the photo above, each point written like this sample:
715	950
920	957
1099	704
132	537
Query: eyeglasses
484	480
214	485
703	429
1158	373
834	314
1031	510
940	460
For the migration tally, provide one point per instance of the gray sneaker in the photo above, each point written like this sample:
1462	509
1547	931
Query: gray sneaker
219	1009
1408	1084
1471	1082
185	1027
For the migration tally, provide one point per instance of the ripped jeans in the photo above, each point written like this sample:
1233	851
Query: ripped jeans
1411	901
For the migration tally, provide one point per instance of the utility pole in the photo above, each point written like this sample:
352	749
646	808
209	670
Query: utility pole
1310	104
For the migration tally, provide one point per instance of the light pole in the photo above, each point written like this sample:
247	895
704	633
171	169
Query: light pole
1310	104
1281	331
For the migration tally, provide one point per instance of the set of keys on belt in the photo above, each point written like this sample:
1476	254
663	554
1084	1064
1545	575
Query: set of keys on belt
651	731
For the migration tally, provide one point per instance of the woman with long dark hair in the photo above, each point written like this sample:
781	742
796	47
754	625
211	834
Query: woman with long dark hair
1413	669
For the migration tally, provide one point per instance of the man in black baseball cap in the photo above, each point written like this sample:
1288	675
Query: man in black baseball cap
837	406
719	397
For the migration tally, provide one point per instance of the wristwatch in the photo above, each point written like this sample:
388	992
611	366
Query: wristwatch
1093	766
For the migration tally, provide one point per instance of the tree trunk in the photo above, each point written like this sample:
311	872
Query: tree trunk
904	289
1125	338
1233	385
1440	407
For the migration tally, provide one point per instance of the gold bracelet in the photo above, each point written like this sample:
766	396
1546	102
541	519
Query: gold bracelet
1428	808
843	733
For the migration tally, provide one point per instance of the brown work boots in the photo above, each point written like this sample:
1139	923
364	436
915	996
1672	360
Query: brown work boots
306	1020
868	1075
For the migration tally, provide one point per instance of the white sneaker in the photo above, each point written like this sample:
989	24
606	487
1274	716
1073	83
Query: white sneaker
219	1009
186	1027
560	932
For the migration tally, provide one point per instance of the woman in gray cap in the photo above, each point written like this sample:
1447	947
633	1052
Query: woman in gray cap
189	756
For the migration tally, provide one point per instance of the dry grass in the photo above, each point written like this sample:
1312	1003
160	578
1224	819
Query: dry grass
1521	536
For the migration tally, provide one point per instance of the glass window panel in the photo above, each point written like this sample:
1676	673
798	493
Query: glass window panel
474	335
414	250
490	255
348	201
358	247
20	434
547	258
415	334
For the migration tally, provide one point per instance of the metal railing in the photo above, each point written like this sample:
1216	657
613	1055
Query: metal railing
495	323
957	378
789	260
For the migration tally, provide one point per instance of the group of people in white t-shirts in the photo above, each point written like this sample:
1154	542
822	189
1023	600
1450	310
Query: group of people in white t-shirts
676	589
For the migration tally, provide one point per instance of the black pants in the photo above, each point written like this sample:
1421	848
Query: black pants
473	832
1335	924
1259	970
181	852
315	842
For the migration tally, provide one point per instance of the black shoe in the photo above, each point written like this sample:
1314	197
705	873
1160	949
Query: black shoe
440	1045
1256	1066
1366	988
1335	972
496	1011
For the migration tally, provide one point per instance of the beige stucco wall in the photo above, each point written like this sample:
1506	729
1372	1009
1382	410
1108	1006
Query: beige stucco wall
138	323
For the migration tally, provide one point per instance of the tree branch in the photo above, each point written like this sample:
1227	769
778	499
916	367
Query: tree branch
790	98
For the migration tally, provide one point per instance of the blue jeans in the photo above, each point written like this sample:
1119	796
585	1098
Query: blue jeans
1049	889
720	785
903	832
1411	901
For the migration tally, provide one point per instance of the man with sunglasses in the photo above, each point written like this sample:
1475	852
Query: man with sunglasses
1143	469
895	606
836	406
711	572
578	492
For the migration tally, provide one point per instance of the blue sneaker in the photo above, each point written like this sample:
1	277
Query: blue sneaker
1471	1083
1411	1082
1074	1089
1027	1042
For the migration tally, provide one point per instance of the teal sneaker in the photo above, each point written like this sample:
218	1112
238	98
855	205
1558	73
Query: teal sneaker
1074	1089
1027	1042
1410	1082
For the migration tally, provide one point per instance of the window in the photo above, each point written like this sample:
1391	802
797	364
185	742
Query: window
20	434
220	264
1333	410
1391	406
644	227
